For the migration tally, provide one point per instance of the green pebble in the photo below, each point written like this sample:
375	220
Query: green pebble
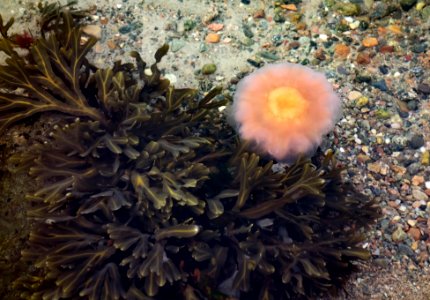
349	9
247	42
426	13
382	114
399	235
362	101
208	69
176	45
329	3
203	47
248	32
189	25
268	55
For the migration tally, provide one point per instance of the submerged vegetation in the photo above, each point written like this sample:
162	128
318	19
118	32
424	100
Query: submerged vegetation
144	191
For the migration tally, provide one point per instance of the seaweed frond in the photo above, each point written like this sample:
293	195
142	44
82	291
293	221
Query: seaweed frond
144	191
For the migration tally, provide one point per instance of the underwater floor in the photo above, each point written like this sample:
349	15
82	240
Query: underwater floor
376	54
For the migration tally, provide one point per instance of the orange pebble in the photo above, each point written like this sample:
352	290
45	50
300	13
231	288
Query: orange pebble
292	7
370	42
341	50
394	29
213	38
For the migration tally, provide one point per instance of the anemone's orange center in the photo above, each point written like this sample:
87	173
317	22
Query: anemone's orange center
287	103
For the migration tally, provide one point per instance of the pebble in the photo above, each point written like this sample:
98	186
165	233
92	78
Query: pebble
259	14
213	38
417	141
419	195
425	158
423	88
208	69
415	233
348	9
354	95
412	223
380	84
292	7
362	101
215	26
342	50
171	77
407	4
93	30
370	42
399	235
363	58
176	45
417	180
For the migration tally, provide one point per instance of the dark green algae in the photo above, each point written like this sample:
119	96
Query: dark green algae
143	191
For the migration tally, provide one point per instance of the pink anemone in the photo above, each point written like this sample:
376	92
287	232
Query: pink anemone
285	109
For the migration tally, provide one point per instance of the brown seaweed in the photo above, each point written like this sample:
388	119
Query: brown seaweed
145	192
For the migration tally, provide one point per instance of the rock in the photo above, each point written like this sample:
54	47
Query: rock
293	45
176	45
215	26
425	158
259	14
382	262
171	77
420	5
362	101
382	114
386	49
417	180
399	235
414	168
292	7
419	195
412	223
424	88
407	4
415	233
348	9
341	50
354	95
279	17
363	58
247	31
189	25
380	84
374	167
417	141
93	30
384	69
412	105
394	29
370	42
406	250
319	54
419	48
213	38
426	13
208	69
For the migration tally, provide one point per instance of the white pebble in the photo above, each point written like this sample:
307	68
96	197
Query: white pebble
427	184
171	77
323	37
